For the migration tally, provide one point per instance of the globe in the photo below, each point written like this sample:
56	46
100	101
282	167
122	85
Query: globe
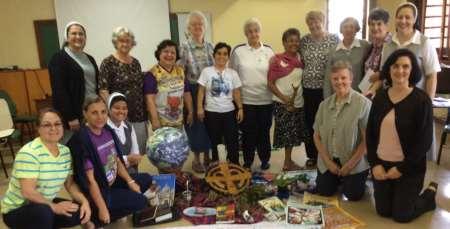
167	148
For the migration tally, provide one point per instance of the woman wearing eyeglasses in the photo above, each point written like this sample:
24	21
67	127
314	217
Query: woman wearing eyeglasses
41	168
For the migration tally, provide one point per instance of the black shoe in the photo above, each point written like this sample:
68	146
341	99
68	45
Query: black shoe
265	166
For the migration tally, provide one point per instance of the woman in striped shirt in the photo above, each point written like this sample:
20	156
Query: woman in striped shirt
40	169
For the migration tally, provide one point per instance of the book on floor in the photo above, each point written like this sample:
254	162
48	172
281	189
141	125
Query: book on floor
161	195
305	216
273	205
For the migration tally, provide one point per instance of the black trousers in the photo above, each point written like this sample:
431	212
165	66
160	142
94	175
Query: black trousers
312	98
35	215
353	186
401	198
122	201
223	126
256	132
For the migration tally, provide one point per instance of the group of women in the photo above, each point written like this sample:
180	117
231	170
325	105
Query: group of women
213	91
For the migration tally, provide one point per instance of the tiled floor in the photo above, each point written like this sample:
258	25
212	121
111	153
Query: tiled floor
363	209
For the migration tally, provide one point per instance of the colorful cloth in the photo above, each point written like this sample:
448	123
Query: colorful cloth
127	79
195	57
34	161
282	64
107	153
169	88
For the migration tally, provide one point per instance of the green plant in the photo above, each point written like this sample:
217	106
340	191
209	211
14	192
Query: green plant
283	181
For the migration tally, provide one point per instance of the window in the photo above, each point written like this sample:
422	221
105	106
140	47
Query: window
337	12
436	24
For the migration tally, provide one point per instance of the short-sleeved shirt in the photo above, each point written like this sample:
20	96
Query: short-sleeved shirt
315	57
252	65
195	57
347	128
34	161
355	55
219	88
421	46
106	150
127	79
169	89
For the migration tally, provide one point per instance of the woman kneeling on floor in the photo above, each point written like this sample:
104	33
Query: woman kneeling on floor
399	134
100	170
339	135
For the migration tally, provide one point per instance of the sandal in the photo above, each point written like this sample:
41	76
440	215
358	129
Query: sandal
311	163
292	166
433	186
198	167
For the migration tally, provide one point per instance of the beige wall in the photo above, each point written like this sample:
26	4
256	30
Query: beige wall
17	40
390	6
228	16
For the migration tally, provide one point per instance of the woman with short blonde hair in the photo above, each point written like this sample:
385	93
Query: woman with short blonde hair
314	49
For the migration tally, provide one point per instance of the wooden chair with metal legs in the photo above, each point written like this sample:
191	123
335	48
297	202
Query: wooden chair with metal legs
445	130
443	87
6	131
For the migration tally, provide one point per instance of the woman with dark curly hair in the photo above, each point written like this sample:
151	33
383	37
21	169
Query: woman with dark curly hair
166	89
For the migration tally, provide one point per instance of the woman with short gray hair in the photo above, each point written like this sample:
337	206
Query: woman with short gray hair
251	61
121	72
350	49
339	135
195	55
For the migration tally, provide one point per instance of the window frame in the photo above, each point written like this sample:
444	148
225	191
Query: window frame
443	52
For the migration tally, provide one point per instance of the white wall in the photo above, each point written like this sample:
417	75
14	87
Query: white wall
148	19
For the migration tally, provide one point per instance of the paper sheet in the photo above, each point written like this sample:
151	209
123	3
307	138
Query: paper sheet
365	84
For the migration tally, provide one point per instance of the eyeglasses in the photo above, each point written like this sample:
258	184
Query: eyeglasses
49	126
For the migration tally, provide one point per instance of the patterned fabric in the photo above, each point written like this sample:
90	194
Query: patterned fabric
315	57
169	97
195	57
127	79
289	127
374	59
34	161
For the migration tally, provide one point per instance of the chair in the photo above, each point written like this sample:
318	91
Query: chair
27	121
6	130
443	87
